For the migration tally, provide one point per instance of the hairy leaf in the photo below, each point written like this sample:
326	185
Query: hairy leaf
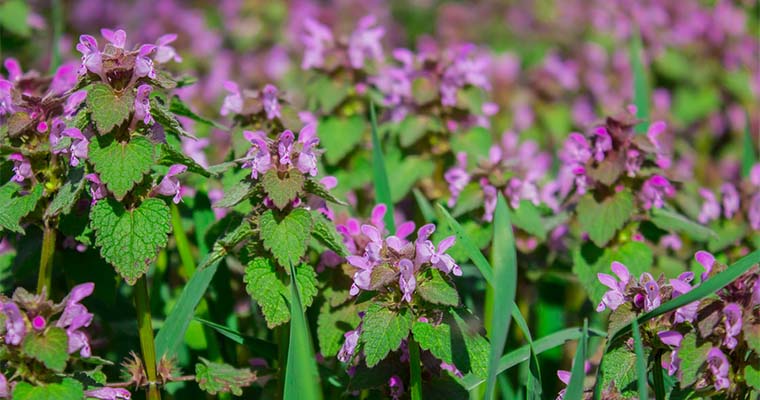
272	295
602	220
216	378
16	206
121	165
109	109
383	331
282	189
692	355
171	155
287	237
68	194
50	349
338	136
68	389
435	339
324	231
332	324
437	290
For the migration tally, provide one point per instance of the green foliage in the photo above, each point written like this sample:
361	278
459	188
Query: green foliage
68	194
14	17
109	109
272	295
640	82
434	338
339	135
641	363
129	239
528	218
121	165
693	353
68	389
163	116
178	107
16	206
602	219
49	348
672	221
383	331
171	155
216	378
470	350
319	190
324	231
282	189
414	127
380	174
332	324
287	237
325	93
637	256
437	290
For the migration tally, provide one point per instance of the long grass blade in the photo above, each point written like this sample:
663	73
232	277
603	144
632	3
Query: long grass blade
578	373
476	256
522	353
640	83
749	157
425	207
504	289
301	375
258	347
641	362
382	188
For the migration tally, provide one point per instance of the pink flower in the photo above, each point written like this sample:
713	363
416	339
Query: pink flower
457	178
654	190
614	297
307	156
15	324
710	208
673	339
730	200
707	260
22	168
4	392
259	158
117	38
164	52
397	387
407	282
108	393
97	187
681	286
733	323
144	63
76	316
365	42
270	101
316	40
142	104
602	144
285	147
349	345
718	365
39	323
79	145
91	58
233	103
490	194
170	185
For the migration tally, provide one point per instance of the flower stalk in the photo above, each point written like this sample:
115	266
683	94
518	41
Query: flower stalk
145	329
45	276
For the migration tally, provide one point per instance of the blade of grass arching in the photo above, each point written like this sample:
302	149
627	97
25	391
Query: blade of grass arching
578	373
705	289
380	176
749	157
425	207
301	375
256	346
640	83
473	252
641	363
522	354
504	260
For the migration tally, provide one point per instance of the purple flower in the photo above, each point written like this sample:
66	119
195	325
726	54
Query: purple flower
680	286
4	392
654	190
465	69
143	62
490	196
457	178
15	324
76	316
754	175
316	40
39	323
260	160
407	282
397	387
365	42
6	98
733	323
710	208
285	147
564	377
602	144
91	58
671	241
142	104
614	297
164	52
754	212
707	260
307	157
349	345
270	101
651	298
64	79
730	200
673	339
14	69
633	161
108	393
170	185
117	38
79	145
97	187
233	103
22	168
718	365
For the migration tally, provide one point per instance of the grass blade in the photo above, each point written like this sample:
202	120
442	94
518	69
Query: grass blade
301	375
425	207
641	362
640	83
504	289
473	251
578	373
658	378
522	354
749	157
258	347
380	176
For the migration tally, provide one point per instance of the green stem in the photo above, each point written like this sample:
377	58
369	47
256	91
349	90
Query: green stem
183	245
145	328
57	20
414	370
45	276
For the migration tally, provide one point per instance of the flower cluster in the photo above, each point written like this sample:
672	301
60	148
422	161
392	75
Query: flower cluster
252	103
716	329
322	50
734	198
283	154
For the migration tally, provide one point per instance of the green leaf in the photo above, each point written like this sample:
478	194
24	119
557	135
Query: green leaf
640	82
473	251
620	367
504	286
475	143
68	194
257	346
339	135
14	17
434	338
272	295
578	373
528	218
752	374
641	363
412	129
15	206
216	378
470	350
282	189
637	256
602	220
121	165
437	290
163	116
326	93
130	239
471	198
691	104
319	190
332	324
109	109
749	156
301	374
235	194
50	348
287	237
170	156
324	231
382	187
672	221
692	356
383	331
178	107
68	389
